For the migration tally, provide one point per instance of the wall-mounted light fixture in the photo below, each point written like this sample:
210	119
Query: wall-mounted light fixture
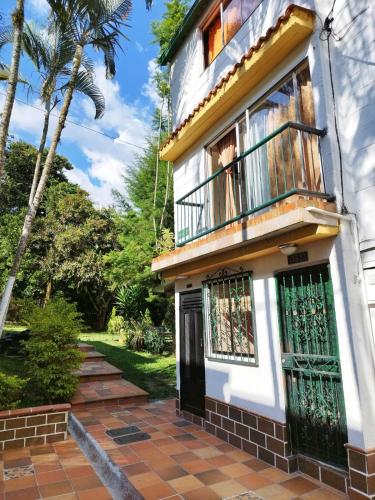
288	248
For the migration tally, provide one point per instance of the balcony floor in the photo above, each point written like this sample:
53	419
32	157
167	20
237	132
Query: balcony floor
285	222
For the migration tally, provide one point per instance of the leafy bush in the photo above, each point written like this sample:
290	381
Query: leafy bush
11	390
134	333
52	352
130	301
18	309
154	341
116	324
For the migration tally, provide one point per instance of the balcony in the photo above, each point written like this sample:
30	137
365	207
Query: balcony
266	197
283	164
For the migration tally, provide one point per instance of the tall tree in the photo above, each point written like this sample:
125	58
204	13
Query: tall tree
90	23
17	19
163	31
51	50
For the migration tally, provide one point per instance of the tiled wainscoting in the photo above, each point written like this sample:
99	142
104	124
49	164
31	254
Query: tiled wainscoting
362	473
33	426
265	439
259	436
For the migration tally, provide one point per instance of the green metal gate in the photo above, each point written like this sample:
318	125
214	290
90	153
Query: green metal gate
310	361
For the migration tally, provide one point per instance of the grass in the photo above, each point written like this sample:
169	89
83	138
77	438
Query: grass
14	328
12	365
154	373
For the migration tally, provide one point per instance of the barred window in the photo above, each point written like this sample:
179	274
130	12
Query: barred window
229	318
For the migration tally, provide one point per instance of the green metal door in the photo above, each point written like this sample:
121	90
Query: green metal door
311	364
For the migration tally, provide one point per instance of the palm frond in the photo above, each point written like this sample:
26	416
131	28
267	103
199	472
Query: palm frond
88	63
6	35
86	86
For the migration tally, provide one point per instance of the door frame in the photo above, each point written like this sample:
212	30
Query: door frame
181	391
290	270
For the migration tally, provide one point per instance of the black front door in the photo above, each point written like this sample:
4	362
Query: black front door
192	378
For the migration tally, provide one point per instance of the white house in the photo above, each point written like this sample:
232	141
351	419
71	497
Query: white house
274	266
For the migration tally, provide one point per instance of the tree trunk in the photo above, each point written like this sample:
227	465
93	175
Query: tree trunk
42	144
48	294
17	18
30	216
157	174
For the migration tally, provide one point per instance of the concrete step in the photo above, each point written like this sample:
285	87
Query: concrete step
108	392
82	346
93	371
93	356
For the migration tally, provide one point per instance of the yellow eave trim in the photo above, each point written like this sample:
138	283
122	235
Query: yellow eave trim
256	250
290	33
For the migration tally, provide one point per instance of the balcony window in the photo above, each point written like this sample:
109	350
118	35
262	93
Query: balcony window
269	153
224	23
229	318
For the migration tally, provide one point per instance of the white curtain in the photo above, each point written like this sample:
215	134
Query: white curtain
256	163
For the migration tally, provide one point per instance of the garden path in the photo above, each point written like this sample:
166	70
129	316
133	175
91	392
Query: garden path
102	383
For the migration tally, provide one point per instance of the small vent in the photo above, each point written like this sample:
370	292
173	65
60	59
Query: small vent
192	300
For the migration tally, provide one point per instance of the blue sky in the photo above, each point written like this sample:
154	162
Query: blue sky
130	100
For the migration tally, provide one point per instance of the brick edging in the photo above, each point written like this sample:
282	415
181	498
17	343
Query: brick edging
33	426
35	410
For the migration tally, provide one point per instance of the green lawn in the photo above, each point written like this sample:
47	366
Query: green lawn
154	373
12	365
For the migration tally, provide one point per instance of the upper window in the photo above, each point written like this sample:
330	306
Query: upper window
229	318
224	23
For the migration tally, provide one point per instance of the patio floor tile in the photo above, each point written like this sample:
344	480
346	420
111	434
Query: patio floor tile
167	467
185	483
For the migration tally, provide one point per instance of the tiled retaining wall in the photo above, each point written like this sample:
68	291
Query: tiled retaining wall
33	426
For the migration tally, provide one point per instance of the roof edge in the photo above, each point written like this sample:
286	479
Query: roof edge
247	56
191	17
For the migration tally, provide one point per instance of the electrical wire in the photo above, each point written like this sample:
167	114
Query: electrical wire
80	124
327	32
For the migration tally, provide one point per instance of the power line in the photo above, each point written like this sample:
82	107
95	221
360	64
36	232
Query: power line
80	124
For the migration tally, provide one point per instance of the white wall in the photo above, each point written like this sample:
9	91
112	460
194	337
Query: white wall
353	72
353	65
257	388
191	82
261	388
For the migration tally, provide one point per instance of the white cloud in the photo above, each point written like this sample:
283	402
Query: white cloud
149	89
139	47
40	6
107	159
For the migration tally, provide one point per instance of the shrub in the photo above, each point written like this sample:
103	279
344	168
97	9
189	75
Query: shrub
116	324
136	337
52	352
130	301
18	309
11	391
154	341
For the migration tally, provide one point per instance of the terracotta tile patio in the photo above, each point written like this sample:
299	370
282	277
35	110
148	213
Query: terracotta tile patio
58	471
181	461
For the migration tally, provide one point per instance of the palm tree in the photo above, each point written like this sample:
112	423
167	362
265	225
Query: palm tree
17	18
95	23
51	51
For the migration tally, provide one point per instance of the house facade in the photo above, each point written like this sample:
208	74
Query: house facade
273	147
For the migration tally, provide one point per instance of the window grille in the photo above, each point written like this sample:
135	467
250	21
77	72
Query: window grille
229	318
